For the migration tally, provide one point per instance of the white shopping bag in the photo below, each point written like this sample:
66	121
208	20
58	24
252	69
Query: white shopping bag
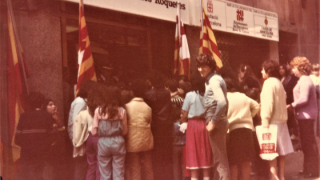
267	138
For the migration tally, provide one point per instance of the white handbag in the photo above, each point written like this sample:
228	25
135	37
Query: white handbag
267	138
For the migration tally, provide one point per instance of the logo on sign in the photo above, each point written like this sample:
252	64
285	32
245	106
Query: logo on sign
268	148
266	21
210	6
266	136
240	15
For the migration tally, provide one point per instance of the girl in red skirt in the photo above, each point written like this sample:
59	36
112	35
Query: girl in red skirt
198	150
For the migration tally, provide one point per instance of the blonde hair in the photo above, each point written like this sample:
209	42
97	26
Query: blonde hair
303	64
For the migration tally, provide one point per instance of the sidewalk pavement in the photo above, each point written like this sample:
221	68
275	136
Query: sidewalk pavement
294	164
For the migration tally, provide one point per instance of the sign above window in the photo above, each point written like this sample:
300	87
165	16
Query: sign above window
240	19
223	15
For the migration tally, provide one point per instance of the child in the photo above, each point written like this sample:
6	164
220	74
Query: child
82	136
179	143
178	139
139	142
110	123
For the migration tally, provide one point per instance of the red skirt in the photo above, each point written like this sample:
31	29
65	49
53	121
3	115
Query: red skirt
198	149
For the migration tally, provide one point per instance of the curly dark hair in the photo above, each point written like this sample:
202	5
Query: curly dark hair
227	71
232	84
198	84
139	88
246	70
96	97
303	64
284	66
172	85
186	87
206	59
271	67
157	79
84	88
35	100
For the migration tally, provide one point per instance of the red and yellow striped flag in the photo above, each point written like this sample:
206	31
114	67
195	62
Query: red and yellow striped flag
181	52
16	85
85	61
208	43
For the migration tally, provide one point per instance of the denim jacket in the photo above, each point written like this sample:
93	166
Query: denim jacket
215	99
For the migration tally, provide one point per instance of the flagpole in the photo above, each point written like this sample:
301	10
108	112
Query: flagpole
81	1
179	21
17	40
201	11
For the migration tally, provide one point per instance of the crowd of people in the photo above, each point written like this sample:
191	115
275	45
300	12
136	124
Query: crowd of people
161	129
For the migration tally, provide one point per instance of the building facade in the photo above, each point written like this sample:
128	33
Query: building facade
48	31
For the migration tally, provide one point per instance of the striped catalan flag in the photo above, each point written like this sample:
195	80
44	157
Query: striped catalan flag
208	43
181	52
85	60
16	84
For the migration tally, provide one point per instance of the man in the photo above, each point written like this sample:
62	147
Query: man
161	126
106	77
216	106
139	141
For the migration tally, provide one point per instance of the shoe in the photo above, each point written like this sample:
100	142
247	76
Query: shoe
310	175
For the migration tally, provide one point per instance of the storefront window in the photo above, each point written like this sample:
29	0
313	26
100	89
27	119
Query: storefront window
135	44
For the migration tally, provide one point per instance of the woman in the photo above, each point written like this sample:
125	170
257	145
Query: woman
240	147
305	106
289	81
273	111
315	74
198	151
56	152
110	123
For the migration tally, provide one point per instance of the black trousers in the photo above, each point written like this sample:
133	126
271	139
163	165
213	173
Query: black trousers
162	151
292	124
30	168
309	146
